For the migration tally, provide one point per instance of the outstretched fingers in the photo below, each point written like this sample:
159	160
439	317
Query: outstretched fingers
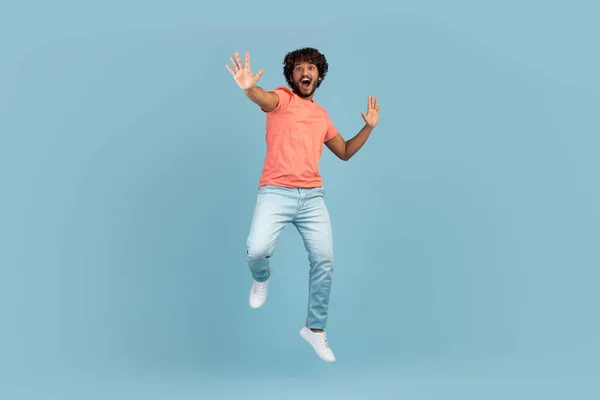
238	64
235	68
239	60
373	103
259	74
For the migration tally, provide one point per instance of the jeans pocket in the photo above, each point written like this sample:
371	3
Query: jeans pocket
265	189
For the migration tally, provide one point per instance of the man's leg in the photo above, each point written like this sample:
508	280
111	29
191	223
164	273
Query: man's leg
314	225
275	207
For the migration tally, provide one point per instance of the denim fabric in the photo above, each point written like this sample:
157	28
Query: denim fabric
305	209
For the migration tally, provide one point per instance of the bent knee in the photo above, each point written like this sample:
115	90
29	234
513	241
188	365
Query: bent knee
258	251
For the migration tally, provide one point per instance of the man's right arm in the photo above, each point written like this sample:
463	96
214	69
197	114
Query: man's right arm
268	101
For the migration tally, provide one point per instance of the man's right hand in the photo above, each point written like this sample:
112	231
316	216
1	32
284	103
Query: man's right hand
242	74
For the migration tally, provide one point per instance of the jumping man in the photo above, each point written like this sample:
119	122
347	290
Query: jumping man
290	189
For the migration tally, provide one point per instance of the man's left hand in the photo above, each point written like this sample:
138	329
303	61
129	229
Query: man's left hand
372	116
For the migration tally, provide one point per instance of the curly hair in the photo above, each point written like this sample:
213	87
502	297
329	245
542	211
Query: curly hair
309	55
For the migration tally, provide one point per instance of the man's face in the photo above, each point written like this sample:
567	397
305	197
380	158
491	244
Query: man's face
305	77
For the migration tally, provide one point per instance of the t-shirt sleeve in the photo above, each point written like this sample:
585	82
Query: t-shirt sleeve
285	97
331	131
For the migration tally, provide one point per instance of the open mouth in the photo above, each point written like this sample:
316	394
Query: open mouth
305	83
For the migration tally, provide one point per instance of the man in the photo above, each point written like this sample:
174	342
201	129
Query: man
290	187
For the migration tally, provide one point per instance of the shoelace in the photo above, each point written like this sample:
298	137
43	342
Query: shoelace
259	288
323	339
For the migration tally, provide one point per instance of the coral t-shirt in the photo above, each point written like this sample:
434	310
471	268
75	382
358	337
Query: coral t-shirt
296	131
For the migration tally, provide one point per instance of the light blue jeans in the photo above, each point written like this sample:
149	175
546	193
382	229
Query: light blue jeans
305	209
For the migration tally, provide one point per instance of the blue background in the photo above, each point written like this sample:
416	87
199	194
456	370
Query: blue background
466	229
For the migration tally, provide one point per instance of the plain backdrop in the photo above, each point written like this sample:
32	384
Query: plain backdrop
465	231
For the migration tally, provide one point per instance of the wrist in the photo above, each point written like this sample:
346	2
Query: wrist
250	89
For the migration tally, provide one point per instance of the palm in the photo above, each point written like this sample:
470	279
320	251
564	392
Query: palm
242	74
372	116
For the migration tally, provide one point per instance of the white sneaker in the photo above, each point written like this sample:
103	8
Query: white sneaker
258	293
318	340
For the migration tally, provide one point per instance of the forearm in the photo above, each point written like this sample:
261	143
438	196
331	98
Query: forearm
353	145
265	100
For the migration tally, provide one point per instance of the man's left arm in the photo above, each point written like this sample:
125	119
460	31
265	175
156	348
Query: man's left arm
345	149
